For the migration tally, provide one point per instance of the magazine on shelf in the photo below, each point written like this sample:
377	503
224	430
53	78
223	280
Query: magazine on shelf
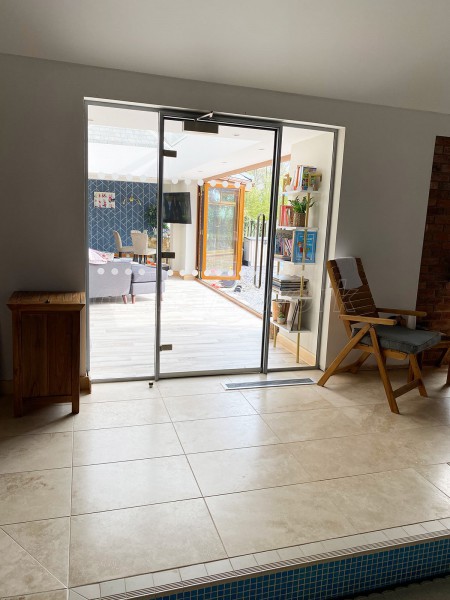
299	245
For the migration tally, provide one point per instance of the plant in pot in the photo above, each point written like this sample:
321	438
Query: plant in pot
281	318
300	208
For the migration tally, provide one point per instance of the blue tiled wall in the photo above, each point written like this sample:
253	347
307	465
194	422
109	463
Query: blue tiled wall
125	217
336	579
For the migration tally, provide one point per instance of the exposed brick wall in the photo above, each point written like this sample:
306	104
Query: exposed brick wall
434	283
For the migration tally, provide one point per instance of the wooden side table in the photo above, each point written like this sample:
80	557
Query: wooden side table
46	348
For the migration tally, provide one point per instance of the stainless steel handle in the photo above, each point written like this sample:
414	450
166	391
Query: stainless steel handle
261	252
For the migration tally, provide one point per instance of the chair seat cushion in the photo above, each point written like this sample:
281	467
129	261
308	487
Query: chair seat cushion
402	339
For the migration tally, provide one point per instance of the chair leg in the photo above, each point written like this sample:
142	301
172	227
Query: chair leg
342	354
381	362
417	374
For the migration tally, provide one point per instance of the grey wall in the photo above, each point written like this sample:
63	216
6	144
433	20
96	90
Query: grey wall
386	172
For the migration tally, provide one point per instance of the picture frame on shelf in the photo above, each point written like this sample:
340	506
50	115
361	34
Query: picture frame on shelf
300	242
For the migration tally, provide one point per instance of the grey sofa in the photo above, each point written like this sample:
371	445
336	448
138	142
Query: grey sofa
122	277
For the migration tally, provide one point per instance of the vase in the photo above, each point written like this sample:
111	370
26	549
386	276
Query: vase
299	219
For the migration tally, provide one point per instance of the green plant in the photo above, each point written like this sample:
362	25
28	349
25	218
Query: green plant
151	218
301	206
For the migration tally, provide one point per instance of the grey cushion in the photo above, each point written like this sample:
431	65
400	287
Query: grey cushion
411	341
143	273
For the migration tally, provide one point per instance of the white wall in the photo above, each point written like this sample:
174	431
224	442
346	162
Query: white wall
386	172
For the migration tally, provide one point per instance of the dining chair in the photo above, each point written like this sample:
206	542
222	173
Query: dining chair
140	246
121	249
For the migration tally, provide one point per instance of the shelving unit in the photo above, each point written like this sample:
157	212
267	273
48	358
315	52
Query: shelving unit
300	297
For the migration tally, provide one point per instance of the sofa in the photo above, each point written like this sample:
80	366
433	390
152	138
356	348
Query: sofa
122	277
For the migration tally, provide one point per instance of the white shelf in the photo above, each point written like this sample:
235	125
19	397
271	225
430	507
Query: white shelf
287	327
294	296
292	192
287	228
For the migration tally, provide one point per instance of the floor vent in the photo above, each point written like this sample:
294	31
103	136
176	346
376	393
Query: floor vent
246	385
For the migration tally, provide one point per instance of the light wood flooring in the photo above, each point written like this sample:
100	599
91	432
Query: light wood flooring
207	331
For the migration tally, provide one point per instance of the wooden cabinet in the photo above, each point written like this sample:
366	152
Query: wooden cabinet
46	343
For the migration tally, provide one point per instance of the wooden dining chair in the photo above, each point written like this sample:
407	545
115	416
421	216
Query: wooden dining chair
374	335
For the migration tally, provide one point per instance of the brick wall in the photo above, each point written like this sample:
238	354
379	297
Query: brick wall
434	282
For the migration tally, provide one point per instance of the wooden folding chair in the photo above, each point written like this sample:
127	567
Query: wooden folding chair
382	337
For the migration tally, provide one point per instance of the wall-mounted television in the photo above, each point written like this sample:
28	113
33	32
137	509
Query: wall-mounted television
177	207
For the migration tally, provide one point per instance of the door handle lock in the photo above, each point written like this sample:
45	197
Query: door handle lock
164	347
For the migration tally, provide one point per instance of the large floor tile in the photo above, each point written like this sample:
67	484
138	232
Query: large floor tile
20	573
415	412
208	406
99	415
123	543
122	390
311	424
351	455
45	419
125	443
34	495
132	483
226	433
425	445
347	389
438	475
34	452
191	386
47	542
302	397
273	518
383	500
229	471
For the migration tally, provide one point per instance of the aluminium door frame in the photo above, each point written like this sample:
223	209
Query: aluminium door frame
275	125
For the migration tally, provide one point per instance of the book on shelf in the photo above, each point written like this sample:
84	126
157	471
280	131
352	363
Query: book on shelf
286	215
302	239
283	244
306	178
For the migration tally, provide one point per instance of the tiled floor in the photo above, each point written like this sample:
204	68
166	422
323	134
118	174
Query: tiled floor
155	485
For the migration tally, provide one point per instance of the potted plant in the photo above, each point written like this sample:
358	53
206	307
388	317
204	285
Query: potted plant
300	208
281	318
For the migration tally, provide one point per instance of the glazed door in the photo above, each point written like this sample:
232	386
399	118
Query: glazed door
222	228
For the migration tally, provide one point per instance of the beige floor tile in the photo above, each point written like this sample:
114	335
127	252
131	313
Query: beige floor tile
165	577
91	592
33	452
426	445
125	443
265	558
191	386
101	415
439	475
218	566
351	455
346	389
193	572
313	548
34	495
417	412
116	586
139	582
55	595
243	562
291	552
122	390
311	424
227	433
45	419
20	573
268	519
303	397
244	469
47	542
382	500
208	406
132	483
123	543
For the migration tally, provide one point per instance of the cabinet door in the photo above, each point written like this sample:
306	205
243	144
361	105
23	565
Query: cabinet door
34	355
60	350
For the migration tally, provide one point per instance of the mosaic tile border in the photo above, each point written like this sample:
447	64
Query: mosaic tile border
176	583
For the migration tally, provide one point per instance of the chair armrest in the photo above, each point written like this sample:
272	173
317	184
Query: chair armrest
371	320
399	311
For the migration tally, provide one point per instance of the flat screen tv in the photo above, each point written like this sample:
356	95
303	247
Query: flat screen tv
177	207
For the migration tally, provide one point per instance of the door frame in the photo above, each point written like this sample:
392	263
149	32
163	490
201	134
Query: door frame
222	119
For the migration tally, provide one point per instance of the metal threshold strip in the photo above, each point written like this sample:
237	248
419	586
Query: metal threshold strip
245	385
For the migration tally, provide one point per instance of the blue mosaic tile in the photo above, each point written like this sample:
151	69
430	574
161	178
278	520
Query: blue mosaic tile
124	217
335	579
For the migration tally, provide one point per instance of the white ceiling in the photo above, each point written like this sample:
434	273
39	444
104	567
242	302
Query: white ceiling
391	52
199	156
